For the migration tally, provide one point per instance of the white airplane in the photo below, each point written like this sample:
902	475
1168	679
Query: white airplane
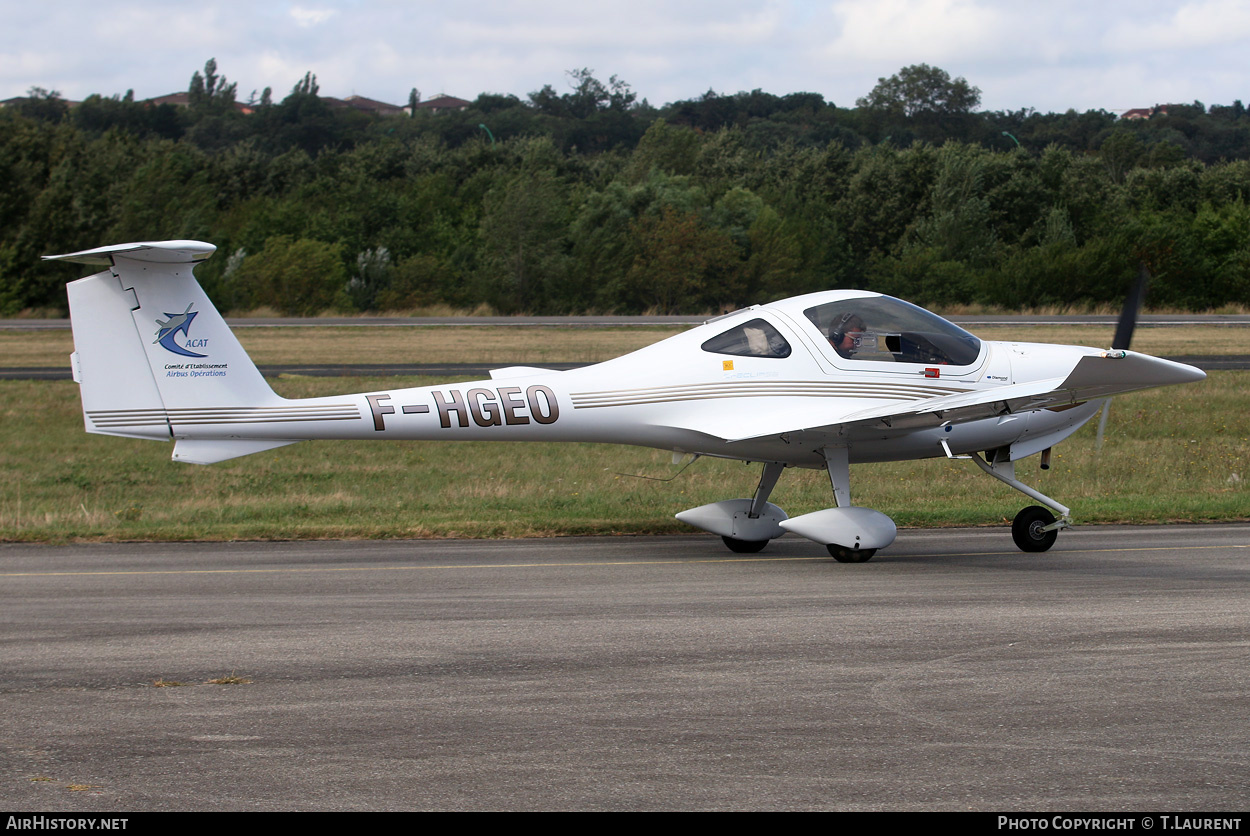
817	381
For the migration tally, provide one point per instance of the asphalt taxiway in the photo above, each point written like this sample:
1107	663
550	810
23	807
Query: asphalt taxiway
951	672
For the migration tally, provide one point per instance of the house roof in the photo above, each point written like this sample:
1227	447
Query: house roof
16	100
183	99
1144	112
443	102
440	102
371	105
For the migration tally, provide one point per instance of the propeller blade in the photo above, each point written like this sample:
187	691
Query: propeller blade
1128	316
1124	336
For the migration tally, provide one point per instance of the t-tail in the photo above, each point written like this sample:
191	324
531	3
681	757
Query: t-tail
153	358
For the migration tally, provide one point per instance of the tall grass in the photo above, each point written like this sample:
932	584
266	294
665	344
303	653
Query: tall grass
1181	453
510	345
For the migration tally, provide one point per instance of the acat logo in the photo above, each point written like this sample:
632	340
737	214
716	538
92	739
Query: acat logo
167	332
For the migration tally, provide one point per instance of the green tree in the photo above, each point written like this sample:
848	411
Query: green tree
373	276
774	256
921	89
43	104
1120	152
307	86
97	114
671	149
297	277
167	194
210	91
420	280
958	225
523	236
589	96
888	191
924	98
681	265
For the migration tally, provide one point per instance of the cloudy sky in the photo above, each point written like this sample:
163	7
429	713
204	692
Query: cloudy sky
1050	56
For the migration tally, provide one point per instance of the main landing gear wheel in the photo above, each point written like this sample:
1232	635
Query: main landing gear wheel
844	555
744	546
1027	531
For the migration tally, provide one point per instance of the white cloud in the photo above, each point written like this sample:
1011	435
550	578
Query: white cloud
1195	25
916	31
1064	53
311	17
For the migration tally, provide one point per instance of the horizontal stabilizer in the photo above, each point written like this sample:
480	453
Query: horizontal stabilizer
158	252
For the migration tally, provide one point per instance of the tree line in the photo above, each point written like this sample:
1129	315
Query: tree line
590	200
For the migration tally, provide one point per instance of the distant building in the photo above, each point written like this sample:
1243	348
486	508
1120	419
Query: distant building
183	99
1145	112
441	102
367	105
354	102
18	100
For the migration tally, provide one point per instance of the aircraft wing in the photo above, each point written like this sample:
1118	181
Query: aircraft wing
1096	375
967	406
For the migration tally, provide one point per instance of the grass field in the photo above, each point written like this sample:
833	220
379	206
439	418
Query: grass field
538	345
1181	453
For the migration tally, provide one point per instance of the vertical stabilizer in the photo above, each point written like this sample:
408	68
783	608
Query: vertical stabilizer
151	353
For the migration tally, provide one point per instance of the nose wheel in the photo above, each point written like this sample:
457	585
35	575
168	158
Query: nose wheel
1031	529
1034	529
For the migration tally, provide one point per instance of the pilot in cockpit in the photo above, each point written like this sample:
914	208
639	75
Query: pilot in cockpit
845	334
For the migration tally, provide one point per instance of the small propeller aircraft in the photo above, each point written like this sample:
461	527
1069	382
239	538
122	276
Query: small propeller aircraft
816	381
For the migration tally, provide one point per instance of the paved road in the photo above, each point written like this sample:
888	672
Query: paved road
951	672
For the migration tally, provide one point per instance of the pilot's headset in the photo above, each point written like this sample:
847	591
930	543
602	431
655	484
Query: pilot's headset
838	333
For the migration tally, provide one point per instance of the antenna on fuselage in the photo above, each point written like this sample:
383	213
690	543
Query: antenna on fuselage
694	457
